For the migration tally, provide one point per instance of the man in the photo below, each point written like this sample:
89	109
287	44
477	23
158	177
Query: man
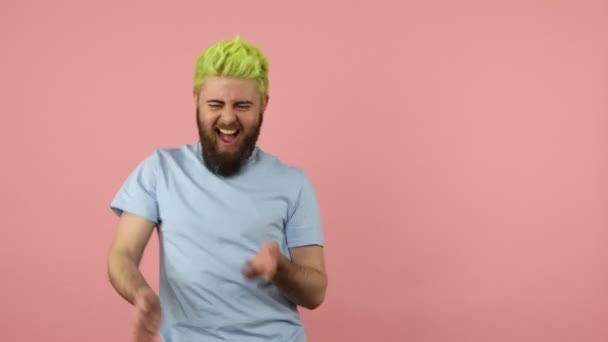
241	242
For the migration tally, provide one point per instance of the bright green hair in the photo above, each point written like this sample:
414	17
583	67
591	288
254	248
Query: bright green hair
233	58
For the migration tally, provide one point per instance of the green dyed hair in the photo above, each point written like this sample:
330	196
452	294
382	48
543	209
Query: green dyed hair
233	58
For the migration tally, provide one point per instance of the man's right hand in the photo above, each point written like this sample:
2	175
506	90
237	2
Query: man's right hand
147	316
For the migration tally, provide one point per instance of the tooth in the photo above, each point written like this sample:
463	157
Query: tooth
227	131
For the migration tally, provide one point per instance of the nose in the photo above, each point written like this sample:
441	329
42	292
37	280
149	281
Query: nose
227	116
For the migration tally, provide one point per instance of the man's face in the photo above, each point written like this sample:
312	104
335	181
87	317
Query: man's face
229	116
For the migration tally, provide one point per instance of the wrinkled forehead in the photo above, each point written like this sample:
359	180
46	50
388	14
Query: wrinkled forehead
229	89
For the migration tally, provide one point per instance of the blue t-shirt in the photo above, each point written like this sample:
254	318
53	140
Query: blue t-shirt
208	227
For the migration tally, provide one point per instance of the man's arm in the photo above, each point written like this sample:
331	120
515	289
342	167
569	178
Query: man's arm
125	255
302	280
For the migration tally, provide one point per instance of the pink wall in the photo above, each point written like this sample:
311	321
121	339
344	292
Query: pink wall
459	149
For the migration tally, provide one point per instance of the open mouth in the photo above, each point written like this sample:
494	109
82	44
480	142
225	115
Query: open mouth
227	136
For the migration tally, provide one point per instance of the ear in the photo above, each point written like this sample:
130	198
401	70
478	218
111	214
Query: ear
195	98
265	104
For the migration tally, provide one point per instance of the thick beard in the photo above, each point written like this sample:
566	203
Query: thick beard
226	164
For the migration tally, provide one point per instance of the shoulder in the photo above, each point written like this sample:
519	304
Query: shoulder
176	152
171	157
288	179
273	166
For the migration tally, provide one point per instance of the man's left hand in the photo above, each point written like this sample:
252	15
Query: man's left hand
265	262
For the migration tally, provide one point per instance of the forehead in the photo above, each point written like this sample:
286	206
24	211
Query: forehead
229	88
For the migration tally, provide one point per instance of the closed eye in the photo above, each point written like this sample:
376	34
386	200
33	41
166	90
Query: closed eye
243	107
215	104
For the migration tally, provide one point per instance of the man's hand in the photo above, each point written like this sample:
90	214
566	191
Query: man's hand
301	279
265	262
147	316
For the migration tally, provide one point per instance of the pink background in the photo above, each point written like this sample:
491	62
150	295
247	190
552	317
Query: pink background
459	149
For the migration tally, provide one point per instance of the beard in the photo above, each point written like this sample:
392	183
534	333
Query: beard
226	164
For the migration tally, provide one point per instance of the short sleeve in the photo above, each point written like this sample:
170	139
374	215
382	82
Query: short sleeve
304	225
137	195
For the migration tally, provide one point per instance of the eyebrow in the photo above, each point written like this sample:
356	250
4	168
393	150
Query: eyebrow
237	103
240	103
